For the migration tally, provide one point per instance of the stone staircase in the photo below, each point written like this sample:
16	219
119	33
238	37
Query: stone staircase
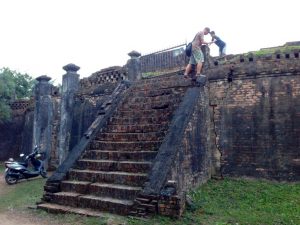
113	169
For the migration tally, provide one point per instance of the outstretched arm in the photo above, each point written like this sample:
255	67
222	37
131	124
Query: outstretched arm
201	39
213	40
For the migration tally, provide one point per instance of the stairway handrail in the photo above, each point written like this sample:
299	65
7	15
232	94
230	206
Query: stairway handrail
108	107
172	143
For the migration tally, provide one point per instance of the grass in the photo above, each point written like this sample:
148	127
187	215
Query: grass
228	201
159	73
19	197
151	74
2	167
241	202
268	51
262	52
248	202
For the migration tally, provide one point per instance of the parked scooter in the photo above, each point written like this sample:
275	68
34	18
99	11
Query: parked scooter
19	170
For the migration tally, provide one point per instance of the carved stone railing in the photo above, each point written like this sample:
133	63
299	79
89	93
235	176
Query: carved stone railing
106	76
21	106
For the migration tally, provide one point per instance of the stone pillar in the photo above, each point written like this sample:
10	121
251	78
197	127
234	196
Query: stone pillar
70	85
134	66
43	113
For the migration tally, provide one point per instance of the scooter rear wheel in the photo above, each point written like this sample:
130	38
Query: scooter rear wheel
10	179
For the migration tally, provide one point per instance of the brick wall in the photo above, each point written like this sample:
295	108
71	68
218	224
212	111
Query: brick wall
256	117
15	134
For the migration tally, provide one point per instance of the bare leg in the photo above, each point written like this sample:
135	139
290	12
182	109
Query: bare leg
187	70
199	68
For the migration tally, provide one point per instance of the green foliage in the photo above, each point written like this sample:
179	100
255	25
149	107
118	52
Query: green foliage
4	111
13	85
24	85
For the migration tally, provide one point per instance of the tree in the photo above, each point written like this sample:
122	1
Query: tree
13	85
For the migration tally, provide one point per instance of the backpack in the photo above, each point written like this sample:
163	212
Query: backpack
188	50
189	47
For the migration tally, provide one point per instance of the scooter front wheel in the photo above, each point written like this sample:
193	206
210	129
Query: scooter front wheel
10	179
43	174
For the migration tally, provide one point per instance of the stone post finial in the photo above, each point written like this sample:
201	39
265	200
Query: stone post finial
71	68
134	54
44	78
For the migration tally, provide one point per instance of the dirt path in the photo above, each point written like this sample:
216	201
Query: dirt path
16	218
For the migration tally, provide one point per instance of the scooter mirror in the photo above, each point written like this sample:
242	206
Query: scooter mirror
21	155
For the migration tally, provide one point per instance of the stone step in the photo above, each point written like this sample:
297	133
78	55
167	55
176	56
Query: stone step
156	92
150	136
100	189
118	206
125	146
81	187
162	84
107	204
110	165
139	119
151	93
120	155
116	177
158	79
138	128
65	198
55	208
158	105
114	190
143	113
154	99
144	93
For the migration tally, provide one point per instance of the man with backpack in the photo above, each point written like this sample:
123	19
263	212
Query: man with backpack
197	57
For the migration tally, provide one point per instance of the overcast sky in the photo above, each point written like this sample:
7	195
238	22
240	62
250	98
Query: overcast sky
39	37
